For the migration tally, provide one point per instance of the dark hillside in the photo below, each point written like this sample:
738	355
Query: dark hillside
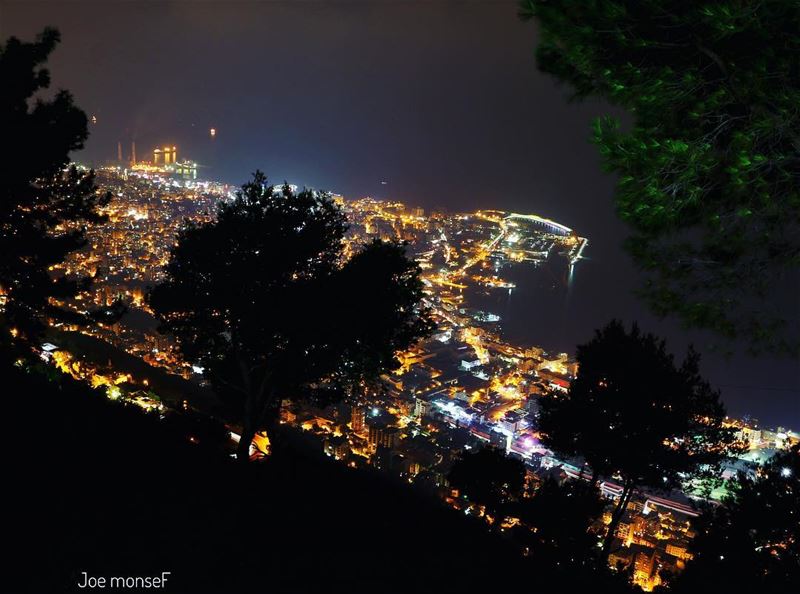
103	488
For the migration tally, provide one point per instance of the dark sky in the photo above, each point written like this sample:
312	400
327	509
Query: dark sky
439	98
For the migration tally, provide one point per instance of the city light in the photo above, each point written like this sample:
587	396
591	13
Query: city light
467	379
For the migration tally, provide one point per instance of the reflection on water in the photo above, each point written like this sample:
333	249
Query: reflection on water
536	311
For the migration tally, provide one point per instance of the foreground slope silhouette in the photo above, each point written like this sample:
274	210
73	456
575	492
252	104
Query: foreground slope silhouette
106	489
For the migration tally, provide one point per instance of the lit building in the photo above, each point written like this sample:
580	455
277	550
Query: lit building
422	407
186	169
165	156
336	447
382	435
645	570
357	417
679	549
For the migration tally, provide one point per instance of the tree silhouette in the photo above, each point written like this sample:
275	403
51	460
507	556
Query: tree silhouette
261	299
490	478
708	171
568	427
41	202
639	416
751	543
558	517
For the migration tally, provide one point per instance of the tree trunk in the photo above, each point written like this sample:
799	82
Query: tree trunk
258	412
243	449
619	511
272	422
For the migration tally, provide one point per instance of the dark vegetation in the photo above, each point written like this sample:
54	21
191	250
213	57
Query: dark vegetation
38	192
707	172
752	542
491	478
633	412
265	301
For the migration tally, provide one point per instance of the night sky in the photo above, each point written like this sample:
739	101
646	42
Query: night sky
440	99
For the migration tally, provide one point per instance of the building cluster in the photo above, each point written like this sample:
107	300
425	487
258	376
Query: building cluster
127	253
651	540
164	162
463	387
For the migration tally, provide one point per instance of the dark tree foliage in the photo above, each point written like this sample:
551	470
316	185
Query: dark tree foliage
376	296
751	543
489	478
559	517
38	194
569	427
633	413
261	299
708	171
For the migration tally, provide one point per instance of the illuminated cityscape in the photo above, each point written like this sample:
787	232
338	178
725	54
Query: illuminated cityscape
438	296
464	387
